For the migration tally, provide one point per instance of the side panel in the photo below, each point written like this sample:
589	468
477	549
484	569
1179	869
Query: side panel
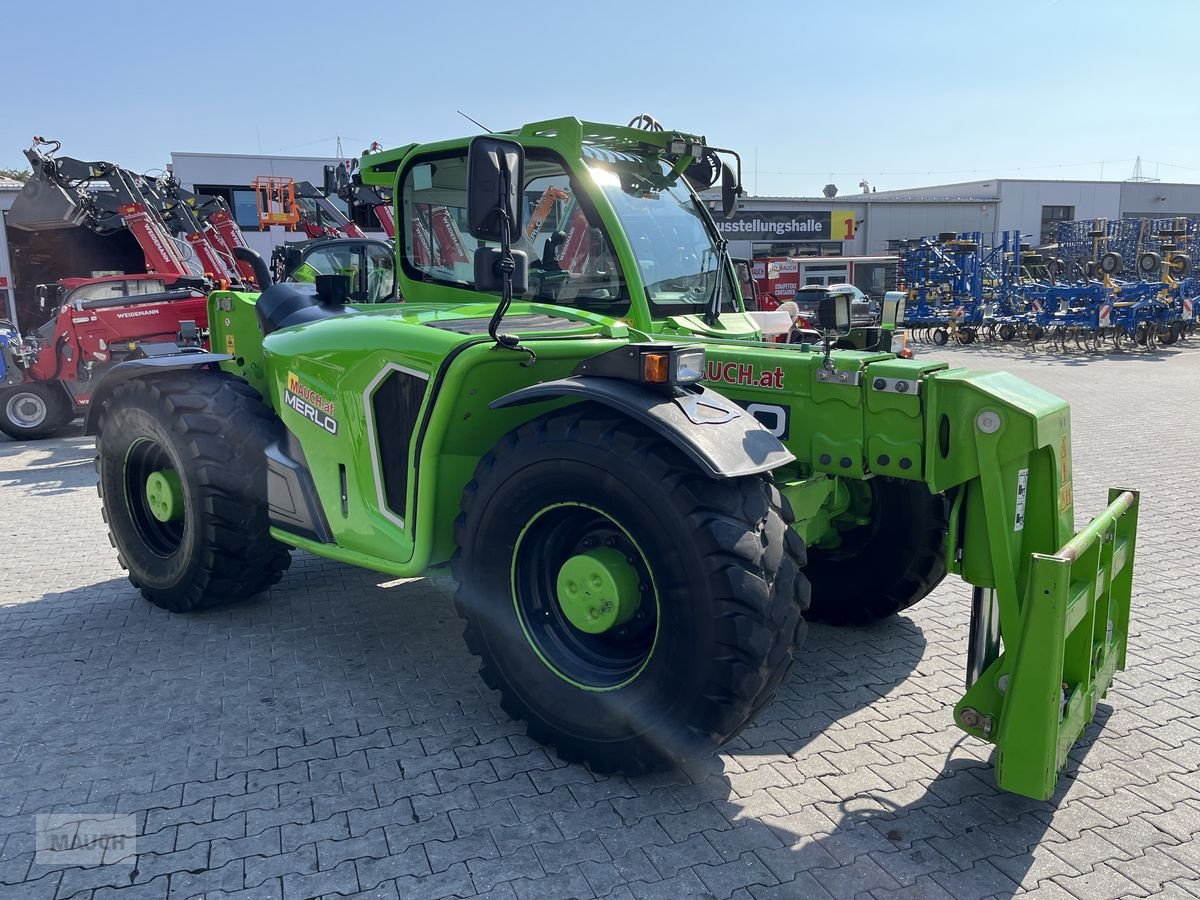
393	417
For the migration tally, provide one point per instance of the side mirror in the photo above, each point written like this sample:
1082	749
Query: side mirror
730	190
41	293
489	276
495	175
893	310
833	314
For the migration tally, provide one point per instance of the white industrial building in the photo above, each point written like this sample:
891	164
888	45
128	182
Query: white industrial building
229	176
8	192
819	226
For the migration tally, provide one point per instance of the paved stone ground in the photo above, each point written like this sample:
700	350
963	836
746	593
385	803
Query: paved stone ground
332	738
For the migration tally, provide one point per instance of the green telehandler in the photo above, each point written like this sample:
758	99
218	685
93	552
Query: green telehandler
573	412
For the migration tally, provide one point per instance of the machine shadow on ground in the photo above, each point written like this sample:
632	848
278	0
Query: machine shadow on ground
56	468
938	813
290	670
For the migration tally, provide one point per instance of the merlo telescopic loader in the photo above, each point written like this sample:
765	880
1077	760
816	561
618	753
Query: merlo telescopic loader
568	410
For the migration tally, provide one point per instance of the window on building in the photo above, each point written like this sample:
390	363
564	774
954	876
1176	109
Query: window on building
245	208
240	200
1051	216
244	205
762	249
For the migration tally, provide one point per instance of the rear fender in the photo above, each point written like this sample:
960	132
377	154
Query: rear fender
167	357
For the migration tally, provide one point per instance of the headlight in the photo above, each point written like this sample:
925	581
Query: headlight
649	363
689	366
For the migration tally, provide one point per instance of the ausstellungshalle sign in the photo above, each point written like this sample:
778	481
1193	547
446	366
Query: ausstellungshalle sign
819	225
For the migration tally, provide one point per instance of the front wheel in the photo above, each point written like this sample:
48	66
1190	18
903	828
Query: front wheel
182	476
631	611
886	565
35	410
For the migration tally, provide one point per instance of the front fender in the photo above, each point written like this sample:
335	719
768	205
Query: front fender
720	437
134	368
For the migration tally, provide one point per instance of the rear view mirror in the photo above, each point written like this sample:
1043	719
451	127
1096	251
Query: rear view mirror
834	313
730	190
495	175
40	292
893	309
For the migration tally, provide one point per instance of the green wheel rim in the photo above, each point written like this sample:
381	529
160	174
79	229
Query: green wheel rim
573	541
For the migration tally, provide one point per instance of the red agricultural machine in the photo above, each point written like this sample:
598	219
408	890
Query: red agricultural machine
46	375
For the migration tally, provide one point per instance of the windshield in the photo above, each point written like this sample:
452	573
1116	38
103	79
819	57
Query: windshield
676	253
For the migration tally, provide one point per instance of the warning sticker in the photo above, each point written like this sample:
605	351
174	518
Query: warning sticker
1022	491
1064	497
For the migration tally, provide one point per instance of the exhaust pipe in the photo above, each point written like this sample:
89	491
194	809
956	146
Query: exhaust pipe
262	272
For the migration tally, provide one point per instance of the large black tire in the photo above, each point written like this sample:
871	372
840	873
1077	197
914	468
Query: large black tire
210	430
720	613
887	565
35	410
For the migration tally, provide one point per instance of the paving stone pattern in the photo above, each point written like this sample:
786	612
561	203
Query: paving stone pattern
332	738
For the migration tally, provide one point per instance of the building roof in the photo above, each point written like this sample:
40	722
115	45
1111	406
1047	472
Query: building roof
217	155
984	190
876	197
10	184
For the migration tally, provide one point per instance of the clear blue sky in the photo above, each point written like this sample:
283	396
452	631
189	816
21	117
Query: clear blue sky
902	94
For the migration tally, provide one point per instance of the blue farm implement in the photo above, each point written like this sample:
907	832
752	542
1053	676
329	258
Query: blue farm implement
1122	284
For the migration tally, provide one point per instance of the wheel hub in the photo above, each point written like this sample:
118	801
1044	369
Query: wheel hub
598	590
164	495
27	410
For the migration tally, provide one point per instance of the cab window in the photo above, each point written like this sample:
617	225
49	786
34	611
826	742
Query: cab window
343	259
381	275
371	270
106	290
571	262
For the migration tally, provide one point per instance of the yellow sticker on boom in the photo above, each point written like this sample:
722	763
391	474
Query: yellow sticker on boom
1064	497
229	345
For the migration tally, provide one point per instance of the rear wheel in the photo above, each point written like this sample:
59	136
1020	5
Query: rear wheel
887	565
35	410
631	611
182	475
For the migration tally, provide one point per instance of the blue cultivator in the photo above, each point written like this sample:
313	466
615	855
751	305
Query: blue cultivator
1124	284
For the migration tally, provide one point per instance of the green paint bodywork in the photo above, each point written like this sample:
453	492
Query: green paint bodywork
999	447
